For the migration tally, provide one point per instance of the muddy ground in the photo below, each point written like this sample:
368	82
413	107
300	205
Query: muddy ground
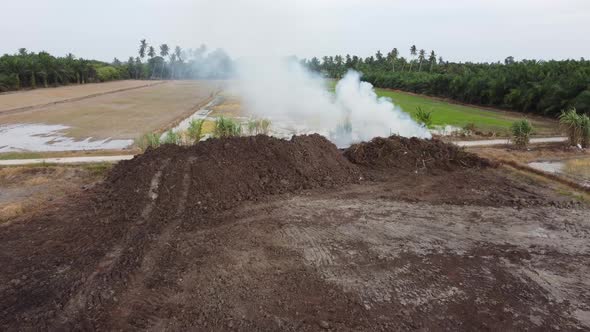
261	234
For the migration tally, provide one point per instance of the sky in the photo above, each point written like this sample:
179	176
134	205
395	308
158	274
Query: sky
457	30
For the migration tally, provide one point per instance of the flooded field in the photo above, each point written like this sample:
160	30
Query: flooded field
577	169
45	138
110	120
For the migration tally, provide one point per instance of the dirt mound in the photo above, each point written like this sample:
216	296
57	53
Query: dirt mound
412	155
222	172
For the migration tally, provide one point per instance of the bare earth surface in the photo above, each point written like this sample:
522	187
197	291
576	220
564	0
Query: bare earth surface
30	98
120	115
262	234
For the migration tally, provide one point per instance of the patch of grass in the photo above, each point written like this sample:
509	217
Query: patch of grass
194	131
148	140
521	133
20	155
172	137
445	113
225	127
98	169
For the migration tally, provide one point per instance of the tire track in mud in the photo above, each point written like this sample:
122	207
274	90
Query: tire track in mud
144	301
99	287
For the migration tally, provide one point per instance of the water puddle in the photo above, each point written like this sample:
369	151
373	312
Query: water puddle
577	169
45	138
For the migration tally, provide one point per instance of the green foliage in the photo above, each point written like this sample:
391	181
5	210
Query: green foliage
194	132
521	133
571	121
258	126
585	130
150	140
107	73
541	87
225	127
425	117
172	137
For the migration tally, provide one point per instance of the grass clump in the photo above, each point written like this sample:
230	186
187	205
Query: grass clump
194	133
571	122
258	126
149	140
577	127
225	127
425	117
521	133
172	137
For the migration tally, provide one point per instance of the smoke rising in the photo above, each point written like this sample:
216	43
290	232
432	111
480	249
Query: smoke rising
298	101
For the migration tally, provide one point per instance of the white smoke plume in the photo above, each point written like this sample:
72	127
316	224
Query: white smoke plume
292	97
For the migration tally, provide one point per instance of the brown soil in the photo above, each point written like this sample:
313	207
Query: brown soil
413	155
264	234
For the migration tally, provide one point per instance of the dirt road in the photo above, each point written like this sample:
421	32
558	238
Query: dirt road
263	234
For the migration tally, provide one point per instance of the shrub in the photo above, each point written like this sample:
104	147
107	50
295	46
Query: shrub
425	117
195	130
571	121
225	127
107	73
521	133
171	137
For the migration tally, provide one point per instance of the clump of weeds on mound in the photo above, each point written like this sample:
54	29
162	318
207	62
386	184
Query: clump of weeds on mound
172	137
194	133
149	140
521	133
225	127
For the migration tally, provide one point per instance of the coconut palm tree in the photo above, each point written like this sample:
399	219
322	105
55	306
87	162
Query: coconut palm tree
393	58
164	51
151	53
432	59
142	48
421	57
413	52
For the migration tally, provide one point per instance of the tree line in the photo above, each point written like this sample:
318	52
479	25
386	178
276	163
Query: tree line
531	86
26	69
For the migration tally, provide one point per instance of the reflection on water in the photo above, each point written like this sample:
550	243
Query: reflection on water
42	138
575	169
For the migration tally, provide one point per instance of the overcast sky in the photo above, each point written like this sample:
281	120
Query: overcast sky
460	30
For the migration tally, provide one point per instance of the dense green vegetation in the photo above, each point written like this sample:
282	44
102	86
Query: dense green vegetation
541	87
31	70
26	69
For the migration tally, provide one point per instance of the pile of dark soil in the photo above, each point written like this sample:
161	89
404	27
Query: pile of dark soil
413	155
222	172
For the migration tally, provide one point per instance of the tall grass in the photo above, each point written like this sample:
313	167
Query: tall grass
172	137
149	140
225	127
521	133
258	126
194	132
